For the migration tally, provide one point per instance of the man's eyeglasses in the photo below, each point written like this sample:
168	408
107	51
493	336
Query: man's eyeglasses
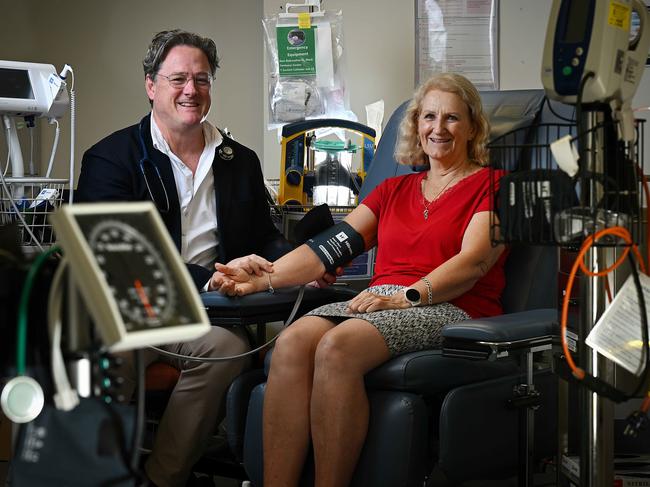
179	80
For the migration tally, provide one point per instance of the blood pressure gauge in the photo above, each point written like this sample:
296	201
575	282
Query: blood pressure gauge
129	272
136	273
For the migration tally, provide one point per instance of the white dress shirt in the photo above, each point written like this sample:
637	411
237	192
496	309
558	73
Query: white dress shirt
199	236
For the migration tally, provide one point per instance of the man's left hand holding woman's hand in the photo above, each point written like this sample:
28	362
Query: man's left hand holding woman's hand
238	277
238	271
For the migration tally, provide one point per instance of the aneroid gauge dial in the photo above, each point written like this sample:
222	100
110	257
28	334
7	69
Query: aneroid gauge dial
136	274
127	268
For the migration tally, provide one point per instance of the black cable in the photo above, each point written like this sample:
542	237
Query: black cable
579	123
190	358
557	115
120	438
610	391
138	428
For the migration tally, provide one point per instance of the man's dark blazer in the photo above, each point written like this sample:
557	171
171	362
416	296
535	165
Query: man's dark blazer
110	171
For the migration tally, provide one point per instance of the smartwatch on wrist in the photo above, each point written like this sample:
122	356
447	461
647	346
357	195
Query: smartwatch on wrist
412	296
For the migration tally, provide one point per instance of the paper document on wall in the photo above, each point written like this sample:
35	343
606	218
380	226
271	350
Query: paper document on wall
617	334
460	37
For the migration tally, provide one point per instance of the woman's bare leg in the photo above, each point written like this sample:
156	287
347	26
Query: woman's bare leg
286	401
339	403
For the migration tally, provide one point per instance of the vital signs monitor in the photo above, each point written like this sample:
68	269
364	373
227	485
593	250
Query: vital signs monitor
31	89
598	49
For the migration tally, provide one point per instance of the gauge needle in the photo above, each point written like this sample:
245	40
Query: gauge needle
143	298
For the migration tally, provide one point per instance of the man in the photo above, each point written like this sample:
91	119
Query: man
210	193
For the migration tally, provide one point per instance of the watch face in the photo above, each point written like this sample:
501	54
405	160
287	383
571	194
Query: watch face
413	296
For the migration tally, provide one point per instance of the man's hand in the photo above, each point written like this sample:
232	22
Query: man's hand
221	283
232	281
252	264
238	270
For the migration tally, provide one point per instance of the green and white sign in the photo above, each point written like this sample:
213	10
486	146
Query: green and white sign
296	51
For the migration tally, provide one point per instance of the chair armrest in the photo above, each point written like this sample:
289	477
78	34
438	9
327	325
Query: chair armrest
428	372
264	307
495	336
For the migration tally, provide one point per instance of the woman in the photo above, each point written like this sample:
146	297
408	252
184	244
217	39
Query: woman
432	234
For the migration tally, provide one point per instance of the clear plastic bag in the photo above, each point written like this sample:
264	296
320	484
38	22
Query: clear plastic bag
306	63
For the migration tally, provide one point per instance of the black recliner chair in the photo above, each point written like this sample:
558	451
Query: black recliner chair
464	406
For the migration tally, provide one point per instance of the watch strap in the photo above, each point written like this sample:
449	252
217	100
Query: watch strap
429	290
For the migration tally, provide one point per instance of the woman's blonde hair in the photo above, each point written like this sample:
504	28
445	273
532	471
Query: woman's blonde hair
409	151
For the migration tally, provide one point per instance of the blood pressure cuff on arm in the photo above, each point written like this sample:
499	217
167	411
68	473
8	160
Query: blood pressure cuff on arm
337	245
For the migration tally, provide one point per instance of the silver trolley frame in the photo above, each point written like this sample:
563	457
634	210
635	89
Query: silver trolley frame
34	205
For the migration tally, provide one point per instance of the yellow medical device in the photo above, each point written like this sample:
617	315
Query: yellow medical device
317	170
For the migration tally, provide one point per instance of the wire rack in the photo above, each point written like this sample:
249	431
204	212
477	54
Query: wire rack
35	198
535	202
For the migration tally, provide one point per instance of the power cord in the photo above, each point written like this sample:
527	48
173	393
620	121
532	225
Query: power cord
638	420
55	145
73	123
580	374
289	320
138	430
65	397
557	115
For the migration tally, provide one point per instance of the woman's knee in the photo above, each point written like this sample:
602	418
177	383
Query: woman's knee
346	350
296	344
333	354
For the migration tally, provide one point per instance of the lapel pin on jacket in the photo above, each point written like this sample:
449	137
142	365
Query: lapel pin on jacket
226	152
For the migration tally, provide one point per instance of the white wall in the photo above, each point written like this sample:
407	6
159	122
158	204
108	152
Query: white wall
522	29
105	43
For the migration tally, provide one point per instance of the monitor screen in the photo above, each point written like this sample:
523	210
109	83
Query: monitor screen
576	21
14	83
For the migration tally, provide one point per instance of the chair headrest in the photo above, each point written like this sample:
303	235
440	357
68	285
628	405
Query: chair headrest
506	111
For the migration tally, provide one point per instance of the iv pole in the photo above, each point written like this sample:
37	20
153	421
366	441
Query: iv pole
596	412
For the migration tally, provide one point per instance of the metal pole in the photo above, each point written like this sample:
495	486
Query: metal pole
596	413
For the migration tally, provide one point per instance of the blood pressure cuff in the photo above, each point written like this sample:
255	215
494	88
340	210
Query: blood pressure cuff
95	436
337	245
315	221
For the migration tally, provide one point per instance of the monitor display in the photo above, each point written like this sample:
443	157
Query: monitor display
576	21
14	83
